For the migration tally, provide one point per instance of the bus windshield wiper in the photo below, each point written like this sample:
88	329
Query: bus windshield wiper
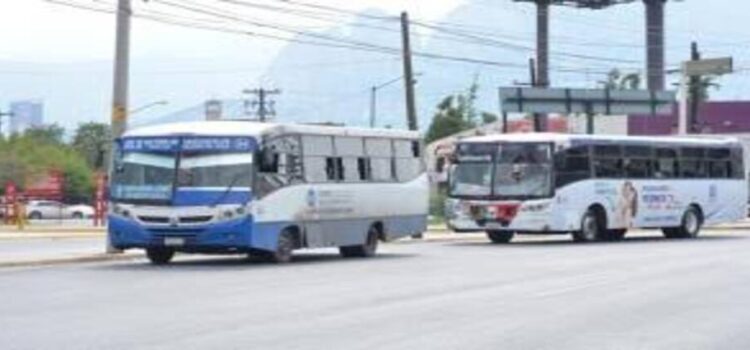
229	189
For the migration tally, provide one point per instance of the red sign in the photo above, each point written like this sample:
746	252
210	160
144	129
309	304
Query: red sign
100	199
49	186
9	202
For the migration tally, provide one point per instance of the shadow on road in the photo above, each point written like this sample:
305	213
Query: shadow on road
565	241
222	262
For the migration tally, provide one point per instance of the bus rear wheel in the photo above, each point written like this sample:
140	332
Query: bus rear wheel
500	237
366	250
690	226
159	255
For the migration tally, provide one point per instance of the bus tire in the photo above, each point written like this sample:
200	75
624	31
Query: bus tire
691	223
592	227
500	237
159	255
616	234
284	248
366	250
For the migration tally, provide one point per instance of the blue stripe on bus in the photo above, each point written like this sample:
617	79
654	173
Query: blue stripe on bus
188	197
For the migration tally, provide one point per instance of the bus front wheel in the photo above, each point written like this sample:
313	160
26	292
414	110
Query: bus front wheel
592	228
159	255
366	250
284	248
500	237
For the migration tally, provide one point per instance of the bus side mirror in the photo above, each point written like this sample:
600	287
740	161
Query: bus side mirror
268	161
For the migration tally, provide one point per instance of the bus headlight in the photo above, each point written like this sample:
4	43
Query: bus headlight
118	210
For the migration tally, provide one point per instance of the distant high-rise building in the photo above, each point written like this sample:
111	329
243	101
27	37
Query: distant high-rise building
25	115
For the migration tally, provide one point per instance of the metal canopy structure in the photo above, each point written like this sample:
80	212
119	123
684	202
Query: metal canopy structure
654	35
586	101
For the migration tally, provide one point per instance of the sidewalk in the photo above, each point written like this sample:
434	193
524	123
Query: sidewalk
51	231
31	251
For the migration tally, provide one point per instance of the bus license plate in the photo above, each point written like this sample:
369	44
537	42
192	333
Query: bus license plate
174	241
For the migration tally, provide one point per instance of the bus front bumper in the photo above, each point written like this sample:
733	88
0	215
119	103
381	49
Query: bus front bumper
226	236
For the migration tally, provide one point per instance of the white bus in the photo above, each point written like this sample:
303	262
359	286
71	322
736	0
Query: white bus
595	187
265	189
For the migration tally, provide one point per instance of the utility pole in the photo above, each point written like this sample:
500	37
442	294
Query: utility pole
695	82
534	79
655	43
411	108
121	70
542	43
264	106
120	89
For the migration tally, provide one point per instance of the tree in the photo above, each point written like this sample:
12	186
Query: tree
25	158
450	118
616	80
488	118
49	134
705	83
93	142
456	113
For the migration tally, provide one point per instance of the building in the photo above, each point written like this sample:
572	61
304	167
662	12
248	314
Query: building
721	117
26	115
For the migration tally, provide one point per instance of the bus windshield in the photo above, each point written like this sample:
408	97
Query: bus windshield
156	170
142	176
523	170
216	170
515	170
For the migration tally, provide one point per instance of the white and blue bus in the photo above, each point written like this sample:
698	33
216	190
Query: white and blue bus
265	189
595	187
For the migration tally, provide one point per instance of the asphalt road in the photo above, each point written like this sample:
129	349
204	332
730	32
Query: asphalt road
645	293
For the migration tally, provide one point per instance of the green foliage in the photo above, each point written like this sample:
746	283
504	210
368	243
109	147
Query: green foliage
488	118
28	157
456	113
616	80
48	135
437	203
93	142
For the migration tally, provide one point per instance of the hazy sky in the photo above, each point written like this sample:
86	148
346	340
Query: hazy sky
63	55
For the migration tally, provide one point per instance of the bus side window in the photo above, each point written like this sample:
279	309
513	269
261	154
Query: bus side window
719	163
638	162
572	165
380	152
665	165
608	162
737	163
692	163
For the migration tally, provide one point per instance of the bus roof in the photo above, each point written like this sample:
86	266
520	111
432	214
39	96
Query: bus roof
579	138
257	129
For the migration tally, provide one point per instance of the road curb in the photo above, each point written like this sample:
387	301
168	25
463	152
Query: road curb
70	260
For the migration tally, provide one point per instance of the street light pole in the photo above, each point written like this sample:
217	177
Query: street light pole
374	96
147	106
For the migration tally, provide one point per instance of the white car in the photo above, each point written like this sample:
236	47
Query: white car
44	209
